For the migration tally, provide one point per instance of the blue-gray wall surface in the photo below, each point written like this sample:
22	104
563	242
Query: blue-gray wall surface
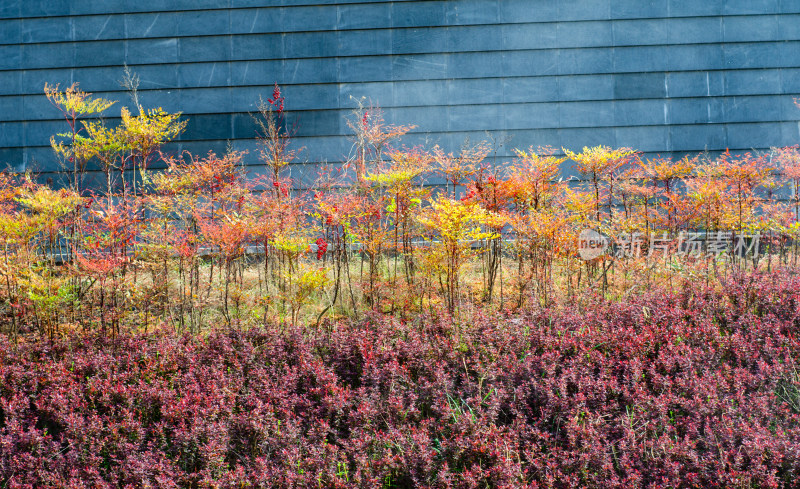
661	76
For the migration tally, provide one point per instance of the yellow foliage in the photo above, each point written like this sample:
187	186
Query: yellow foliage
150	129
599	161
455	221
74	101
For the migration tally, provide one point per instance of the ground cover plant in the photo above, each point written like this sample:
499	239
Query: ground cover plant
696	388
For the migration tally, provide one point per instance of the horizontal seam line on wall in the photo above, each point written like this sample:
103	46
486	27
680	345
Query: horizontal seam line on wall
392	55
417	80
22	42
482	131
533	104
336	6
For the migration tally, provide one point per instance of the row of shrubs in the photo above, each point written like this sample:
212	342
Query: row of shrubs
695	388
146	247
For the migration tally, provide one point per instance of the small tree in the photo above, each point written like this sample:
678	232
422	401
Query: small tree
600	165
74	104
532	189
453	227
273	135
457	169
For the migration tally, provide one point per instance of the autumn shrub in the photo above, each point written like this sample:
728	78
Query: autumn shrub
696	388
405	230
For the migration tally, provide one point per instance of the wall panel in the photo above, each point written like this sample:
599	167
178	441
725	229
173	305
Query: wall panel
663	76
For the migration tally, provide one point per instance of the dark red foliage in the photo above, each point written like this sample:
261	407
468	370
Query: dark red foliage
284	188
322	248
277	99
699	389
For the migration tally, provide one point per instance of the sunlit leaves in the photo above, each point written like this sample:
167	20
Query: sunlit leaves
146	132
457	168
74	101
532	179
454	225
599	161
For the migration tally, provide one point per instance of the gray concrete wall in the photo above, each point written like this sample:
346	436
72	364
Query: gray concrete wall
662	76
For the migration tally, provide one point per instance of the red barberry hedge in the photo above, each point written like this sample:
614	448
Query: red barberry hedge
694	389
